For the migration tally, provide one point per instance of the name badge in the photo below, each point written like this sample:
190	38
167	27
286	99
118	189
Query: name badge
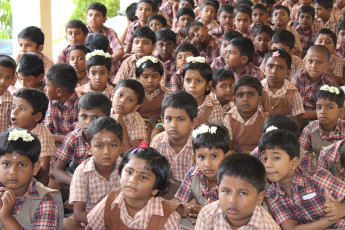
309	196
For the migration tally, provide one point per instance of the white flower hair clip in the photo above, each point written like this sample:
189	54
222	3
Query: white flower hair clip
16	134
145	59
97	53
330	89
196	59
204	129
271	128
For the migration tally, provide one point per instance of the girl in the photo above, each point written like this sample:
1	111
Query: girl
279	95
76	59
98	66
137	205
197	76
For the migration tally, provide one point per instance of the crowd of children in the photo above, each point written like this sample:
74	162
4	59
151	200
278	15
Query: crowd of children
203	114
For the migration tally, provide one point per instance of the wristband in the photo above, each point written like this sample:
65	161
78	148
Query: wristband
159	124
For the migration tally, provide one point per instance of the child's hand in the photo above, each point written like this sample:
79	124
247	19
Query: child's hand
119	118
175	6
333	208
195	209
8	202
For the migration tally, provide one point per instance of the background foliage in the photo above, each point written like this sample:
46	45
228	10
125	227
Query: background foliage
81	5
5	19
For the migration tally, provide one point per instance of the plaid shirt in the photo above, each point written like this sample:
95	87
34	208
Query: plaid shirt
296	102
218	33
211	26
83	89
166	17
73	147
294	12
248	34
337	12
6	100
47	62
211	51
309	90
91	187
130	32
330	24
306	37
168	10
298	207
63	55
139	221
330	156
340	53
217	111
47	140
211	217
258	59
218	63
169	64
84	81
47	213
250	70
227	107
180	162
184	193
337	65
61	119
298	44
176	80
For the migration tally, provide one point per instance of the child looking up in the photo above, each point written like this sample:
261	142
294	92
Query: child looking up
324	16
76	59
156	22
262	39
226	21
241	184
306	17
208	12
259	16
243	19
26	203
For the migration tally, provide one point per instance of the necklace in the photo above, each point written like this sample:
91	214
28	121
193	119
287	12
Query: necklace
275	105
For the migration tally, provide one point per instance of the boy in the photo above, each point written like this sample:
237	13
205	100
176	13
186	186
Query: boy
76	59
226	21
62	111
262	39
76	33
245	120
306	17
324	16
168	7
208	11
338	8
239	58
156	22
259	16
208	46
243	19
184	16
179	112
341	42
7	71
296	7
290	3
241	193
299	199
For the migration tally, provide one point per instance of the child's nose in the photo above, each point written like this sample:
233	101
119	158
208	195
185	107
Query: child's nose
233	198
13	170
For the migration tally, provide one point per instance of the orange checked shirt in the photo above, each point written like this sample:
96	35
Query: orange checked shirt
216	114
47	140
6	100
83	89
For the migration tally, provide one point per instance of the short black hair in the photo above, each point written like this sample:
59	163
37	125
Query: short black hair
130	12
99	7
263	29
145	32
260	7
8	62
219	140
245	167
152	3
307	9
326	31
97	41
80	47
190	1
324	3
165	34
134	85
205	71
321	49
209	3
98	60
101	123
282	53
155	161
95	100
269	2
221	74
150	65
250	82
32	33
30	149
226	8
279	7
282	122
30	64
244	2
231	35
185	11
180	100
36	98
243	8
245	46
282	139
191	24
340	26
337	98
158	17
285	37
184	47
77	24
63	76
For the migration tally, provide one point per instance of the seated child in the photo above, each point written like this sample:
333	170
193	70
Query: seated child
131	17
338	8
208	46
179	112
226	21
98	175
76	59
156	22
296	7
245	120
262	39
329	156
243	19
144	176
168	6
279	95
161	13
239	58
324	16
299	199
76	33
223	88
340	51
269	6
241	193
183	17
310	80
26	203
128	96
182	52
197	77
305	29
259	16
98	65
208	12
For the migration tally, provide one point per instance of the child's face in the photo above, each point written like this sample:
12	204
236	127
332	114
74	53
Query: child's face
98	75
322	12
165	49
52	91
224	47
341	38
75	36
261	42
242	22
30	81
181	58
208	160
125	101
326	40
280	46
184	4
224	90
208	13
6	78
226	20
259	17
238	199
183	20
22	114
276	71
150	79
26	46
195	84
105	148
316	64
77	60
280	17
247	100
144	11
155	25
86	116
233	57
305	20
95	19
198	34
327	112
142	47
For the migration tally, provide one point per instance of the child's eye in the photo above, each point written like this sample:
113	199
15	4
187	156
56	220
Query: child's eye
98	146
129	172
240	95
243	193
329	107
144	177
251	94
167	118
6	164
199	81
263	158
130	99
214	156
226	191
318	107
181	119
22	108
83	116
276	158
201	157
21	165
113	146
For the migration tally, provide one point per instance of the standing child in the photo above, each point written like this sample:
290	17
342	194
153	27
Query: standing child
306	17
243	19
262	40
226	21
324	16
183	17
76	59
208	12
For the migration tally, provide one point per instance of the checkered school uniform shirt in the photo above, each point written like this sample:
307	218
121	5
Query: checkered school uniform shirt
341	54
6	101
294	12
330	24
306	203
139	221
108	91
168	10
180	162
306	37
211	51
217	111
248	34
211	26
330	156
63	55
211	217
257	59
337	12
337	65
250	70
218	33
91	187
218	63
47	140
298	44
130	32
176	80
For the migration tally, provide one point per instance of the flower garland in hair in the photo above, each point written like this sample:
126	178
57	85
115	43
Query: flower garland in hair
204	129
145	59
271	128
16	134
97	53
330	89
196	59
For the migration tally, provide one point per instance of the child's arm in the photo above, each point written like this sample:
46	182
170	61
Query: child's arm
298	119
316	225
311	115
59	172
123	35
79	210
333	208
59	138
338	79
8	201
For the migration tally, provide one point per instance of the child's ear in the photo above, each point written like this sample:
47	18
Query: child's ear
40	48
59	92
260	100
294	163
244	60
154	192
209	84
194	156
341	112
195	122
40	77
261	197
288	74
38	116
137	107
37	167
88	148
